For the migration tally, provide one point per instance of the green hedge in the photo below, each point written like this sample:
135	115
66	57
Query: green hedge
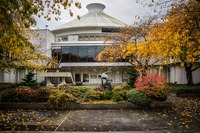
186	89
136	97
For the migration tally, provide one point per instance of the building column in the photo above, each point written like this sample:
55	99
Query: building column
63	81
97	74
120	74
49	82
89	74
81	72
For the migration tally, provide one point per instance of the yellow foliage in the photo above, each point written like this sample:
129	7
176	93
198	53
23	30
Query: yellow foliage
126	46
15	17
178	36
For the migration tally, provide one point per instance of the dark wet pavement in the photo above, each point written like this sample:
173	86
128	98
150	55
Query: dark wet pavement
96	120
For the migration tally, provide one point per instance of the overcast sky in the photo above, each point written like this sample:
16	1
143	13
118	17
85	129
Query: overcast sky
123	10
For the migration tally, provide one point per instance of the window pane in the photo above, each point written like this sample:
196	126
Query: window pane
59	54
125	76
83	53
99	49
74	54
66	49
117	76
53	53
85	78
56	53
66	54
65	58
91	53
164	71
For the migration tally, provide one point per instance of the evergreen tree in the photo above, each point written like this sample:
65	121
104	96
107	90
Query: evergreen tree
133	75
29	81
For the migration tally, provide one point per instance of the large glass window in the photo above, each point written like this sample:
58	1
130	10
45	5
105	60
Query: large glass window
78	53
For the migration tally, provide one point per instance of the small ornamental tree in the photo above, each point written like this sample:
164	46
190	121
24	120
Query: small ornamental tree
29	81
133	75
153	85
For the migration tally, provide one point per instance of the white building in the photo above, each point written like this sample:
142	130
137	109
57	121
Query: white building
80	41
77	43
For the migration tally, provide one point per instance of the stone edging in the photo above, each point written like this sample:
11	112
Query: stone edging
76	106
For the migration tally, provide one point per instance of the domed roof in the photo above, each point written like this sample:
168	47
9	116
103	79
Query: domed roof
94	18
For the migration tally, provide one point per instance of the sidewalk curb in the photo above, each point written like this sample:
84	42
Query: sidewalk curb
76	106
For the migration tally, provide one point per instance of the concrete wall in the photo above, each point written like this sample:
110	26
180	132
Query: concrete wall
9	77
178	74
196	76
51	39
16	76
45	38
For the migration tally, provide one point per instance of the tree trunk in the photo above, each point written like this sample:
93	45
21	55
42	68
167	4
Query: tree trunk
188	70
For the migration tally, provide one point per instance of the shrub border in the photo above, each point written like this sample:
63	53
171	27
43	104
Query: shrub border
76	106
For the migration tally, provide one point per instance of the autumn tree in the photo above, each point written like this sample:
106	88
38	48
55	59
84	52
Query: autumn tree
178	37
16	15
127	45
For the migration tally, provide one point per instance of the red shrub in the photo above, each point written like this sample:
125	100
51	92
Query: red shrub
153	85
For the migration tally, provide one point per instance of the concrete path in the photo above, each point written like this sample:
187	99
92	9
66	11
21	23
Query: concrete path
96	120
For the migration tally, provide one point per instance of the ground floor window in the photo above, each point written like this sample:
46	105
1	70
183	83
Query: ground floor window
124	76
117	76
85	78
164	71
68	80
55	80
154	69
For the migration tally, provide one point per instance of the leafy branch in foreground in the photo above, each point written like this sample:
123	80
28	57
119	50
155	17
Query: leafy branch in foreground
16	15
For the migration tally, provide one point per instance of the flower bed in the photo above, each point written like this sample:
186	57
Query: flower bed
65	95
